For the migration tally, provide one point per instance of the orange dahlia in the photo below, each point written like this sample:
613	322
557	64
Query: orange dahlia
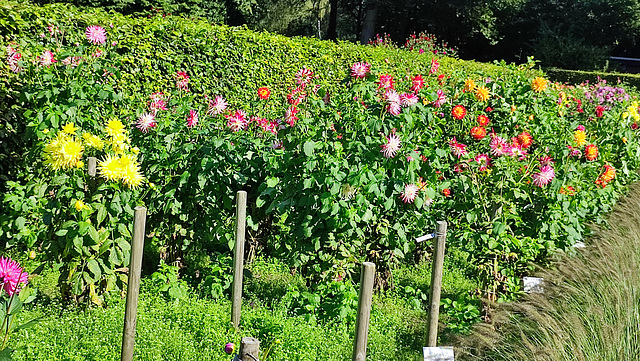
524	140
591	152
478	133
458	112
607	176
264	93
483	120
482	93
539	84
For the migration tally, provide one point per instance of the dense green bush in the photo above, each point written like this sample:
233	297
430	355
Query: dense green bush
323	194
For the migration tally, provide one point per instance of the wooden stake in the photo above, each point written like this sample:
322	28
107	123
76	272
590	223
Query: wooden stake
436	282
364	311
249	349
133	286
91	166
238	259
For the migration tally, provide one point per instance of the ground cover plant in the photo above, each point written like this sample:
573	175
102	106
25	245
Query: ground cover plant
347	154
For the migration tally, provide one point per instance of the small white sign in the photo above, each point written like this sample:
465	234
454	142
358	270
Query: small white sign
533	285
580	245
438	353
425	237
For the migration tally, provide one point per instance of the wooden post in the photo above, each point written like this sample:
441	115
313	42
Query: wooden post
133	286
364	311
238	259
249	348
91	166
436	282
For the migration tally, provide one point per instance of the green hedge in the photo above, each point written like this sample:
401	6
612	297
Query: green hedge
580	76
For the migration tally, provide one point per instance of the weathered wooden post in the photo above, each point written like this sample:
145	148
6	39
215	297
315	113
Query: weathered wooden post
249	349
436	282
238	259
91	166
133	286
364	311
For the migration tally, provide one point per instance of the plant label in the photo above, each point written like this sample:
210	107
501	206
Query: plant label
438	353
533	285
580	245
425	237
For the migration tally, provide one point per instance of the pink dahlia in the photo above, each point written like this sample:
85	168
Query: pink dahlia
182	80
391	96
146	122
296	96
13	59
192	119
442	98
417	83
484	161
303	77
217	105
12	276
237	121
392	146
409	193
394	108
385	82
47	58
360	70
546	161
543	177
96	34
290	116
434	66
457	149
499	146
408	99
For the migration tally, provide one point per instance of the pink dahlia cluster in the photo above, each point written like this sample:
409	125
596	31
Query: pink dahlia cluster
182	81
546	173
12	276
96	35
270	126
158	102
237	121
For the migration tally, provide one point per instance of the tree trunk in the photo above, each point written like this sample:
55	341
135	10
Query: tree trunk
332	33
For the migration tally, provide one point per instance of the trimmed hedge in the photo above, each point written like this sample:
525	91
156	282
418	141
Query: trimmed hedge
581	76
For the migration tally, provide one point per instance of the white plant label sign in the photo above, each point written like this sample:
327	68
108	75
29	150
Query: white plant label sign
438	353
533	285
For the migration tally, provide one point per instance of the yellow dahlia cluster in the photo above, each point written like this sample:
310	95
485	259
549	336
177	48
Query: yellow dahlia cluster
63	152
123	168
632	112
118	137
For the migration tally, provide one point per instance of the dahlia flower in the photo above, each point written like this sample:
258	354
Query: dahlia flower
539	84
394	108
63	152
478	133
217	105
392	146
385	82
146	122
264	93
484	161
360	70
47	58
469	85
408	99
417	83
499	146
458	112
290	116
303	77
114	128
544	177
12	276
192	119
69	128
483	120
391	96
296	96
96	35
237	121
434	66
182	81
442	98
523	140
409	193
607	176
482	93
591	152
92	141
457	149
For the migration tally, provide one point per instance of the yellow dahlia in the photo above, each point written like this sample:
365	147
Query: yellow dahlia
92	141
110	168
79	205
539	84
469	85
115	128
63	152
482	93
580	137
69	128
130	171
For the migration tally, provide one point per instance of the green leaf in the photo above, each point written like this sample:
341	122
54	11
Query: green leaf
94	267
308	147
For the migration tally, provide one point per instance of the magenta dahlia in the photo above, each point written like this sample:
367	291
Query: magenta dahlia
47	58
237	121
290	116
192	119
12	276
457	149
484	161
442	98
303	77
499	146
96	34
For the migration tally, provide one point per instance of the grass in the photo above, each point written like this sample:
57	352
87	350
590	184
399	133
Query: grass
590	309
196	328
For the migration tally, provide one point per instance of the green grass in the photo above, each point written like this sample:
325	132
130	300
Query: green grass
197	329
590	310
